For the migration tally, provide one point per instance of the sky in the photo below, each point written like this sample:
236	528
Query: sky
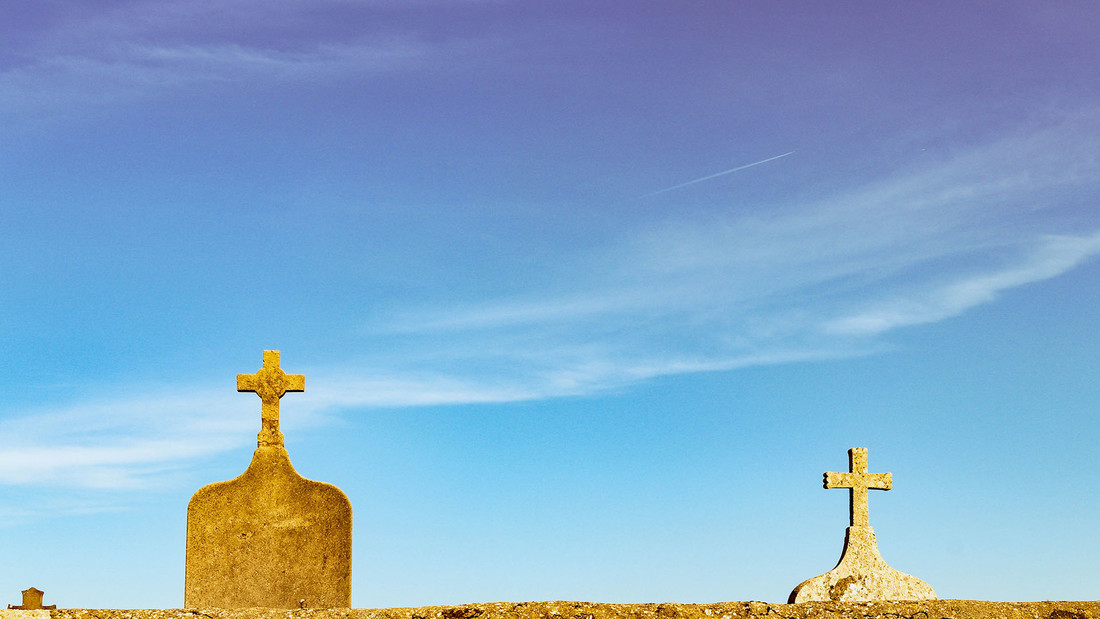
587	295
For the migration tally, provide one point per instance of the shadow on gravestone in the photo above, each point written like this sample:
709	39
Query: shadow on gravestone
861	575
269	538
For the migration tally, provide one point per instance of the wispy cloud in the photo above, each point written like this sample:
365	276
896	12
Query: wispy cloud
40	507
146	50
790	281
142	442
137	442
116	443
1053	256
233	60
132	71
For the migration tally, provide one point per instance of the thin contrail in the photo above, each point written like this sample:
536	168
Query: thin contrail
707	178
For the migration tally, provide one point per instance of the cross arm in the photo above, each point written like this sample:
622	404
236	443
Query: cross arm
247	382
294	382
872	481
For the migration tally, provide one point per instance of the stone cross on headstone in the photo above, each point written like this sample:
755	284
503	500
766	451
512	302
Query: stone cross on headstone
270	383
861	575
32	600
858	481
269	538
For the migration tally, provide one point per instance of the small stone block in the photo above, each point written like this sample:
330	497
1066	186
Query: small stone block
32	600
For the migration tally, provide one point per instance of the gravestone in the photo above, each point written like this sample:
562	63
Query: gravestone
862	574
269	538
32	600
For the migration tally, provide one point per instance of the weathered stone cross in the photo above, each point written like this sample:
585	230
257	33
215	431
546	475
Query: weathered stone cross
270	383
858	481
862	574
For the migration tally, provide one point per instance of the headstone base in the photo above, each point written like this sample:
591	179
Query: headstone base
862	575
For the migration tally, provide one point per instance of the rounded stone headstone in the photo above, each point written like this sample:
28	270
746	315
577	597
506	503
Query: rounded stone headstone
269	538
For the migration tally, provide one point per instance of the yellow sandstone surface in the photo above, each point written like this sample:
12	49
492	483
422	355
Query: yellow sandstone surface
930	609
862	575
269	538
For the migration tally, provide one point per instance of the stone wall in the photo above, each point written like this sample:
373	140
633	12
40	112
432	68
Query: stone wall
935	609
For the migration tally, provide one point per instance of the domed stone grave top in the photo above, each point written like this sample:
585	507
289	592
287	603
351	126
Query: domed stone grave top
862	574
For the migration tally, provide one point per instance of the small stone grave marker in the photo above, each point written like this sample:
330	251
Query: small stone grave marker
32	600
861	575
269	538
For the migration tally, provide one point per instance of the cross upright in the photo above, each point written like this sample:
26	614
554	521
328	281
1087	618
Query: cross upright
270	383
858	481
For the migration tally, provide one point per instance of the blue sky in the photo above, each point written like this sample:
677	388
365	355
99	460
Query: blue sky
542	362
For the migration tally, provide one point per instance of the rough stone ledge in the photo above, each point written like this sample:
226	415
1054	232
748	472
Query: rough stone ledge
932	609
